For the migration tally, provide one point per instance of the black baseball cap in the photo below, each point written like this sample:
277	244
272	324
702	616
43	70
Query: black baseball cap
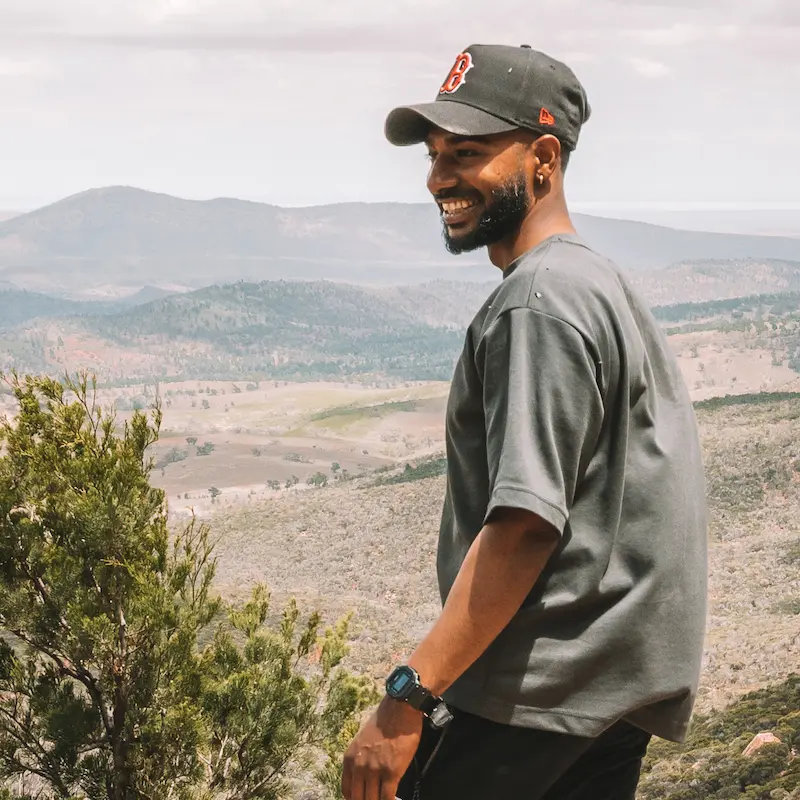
496	88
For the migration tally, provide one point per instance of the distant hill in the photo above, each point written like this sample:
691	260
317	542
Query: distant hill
18	306
438	303
147	294
285	329
715	279
304	330
129	237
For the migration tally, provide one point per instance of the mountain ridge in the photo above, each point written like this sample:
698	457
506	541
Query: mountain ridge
130	237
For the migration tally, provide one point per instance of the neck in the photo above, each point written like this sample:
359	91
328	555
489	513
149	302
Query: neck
547	217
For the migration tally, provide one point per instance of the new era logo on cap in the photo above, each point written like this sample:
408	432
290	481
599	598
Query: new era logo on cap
546	118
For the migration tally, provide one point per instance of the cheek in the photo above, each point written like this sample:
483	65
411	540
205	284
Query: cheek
499	170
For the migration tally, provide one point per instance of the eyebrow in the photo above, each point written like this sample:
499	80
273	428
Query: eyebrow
454	138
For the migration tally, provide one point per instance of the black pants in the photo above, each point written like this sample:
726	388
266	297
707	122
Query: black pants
482	760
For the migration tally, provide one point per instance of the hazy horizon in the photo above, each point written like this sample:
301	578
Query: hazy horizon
767	219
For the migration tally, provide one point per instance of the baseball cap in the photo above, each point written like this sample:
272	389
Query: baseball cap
496	88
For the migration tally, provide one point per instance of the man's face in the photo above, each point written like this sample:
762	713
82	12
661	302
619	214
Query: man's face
483	186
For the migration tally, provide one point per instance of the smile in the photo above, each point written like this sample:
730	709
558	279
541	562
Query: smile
456	210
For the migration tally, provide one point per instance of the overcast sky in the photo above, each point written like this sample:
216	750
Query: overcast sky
694	101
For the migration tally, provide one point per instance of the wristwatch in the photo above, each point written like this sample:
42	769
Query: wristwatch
403	684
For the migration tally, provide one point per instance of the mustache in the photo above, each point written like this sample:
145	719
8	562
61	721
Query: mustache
449	194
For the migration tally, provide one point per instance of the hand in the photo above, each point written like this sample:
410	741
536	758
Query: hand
381	752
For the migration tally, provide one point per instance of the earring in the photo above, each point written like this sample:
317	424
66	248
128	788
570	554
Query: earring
541	178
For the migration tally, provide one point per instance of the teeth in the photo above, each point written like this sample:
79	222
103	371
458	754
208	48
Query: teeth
449	206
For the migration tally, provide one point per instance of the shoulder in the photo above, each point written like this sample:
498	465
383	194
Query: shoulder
569	281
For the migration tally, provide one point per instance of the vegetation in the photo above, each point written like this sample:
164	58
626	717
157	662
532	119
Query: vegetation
356	412
285	330
777	304
425	468
122	674
18	307
319	330
748	399
711	764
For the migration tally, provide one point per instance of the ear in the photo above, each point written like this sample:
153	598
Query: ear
547	151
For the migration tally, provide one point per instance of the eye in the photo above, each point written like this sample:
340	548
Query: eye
464	152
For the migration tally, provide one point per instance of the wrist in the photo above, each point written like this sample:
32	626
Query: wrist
400	709
404	686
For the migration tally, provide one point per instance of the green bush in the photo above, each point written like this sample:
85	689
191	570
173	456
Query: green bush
122	675
710	765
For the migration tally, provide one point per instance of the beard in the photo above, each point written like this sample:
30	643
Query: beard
507	207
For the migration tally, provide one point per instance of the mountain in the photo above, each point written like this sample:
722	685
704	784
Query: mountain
291	330
311	330
147	294
18	306
711	279
122	236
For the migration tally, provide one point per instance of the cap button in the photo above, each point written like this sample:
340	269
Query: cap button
526	45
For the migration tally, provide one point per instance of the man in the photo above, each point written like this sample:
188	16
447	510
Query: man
572	548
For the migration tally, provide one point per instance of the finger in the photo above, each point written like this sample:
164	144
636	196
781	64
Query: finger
347	778
372	786
358	788
388	789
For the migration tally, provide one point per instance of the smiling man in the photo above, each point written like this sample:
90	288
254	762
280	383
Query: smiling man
572	545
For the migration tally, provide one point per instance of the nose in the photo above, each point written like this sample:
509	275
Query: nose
442	175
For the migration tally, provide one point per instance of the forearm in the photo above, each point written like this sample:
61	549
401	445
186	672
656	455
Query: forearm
498	573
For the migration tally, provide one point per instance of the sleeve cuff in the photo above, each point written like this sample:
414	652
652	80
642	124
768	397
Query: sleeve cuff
513	497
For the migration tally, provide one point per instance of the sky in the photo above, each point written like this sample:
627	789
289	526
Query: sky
694	101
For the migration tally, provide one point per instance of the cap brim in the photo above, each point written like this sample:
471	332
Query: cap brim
409	125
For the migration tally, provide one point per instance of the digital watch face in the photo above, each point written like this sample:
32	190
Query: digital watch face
400	681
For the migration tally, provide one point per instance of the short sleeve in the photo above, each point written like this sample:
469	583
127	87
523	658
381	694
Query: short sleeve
543	410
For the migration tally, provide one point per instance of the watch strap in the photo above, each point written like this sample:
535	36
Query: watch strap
419	697
423	700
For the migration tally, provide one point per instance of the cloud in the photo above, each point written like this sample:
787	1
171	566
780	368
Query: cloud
675	36
11	68
786	12
649	69
356	25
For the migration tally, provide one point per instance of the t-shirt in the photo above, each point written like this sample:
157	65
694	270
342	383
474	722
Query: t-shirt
568	402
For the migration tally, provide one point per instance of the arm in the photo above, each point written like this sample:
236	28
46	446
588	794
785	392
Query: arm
543	412
510	551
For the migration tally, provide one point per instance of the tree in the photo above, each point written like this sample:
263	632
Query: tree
104	689
215	493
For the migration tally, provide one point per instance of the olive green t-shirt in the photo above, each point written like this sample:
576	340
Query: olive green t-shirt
568	402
